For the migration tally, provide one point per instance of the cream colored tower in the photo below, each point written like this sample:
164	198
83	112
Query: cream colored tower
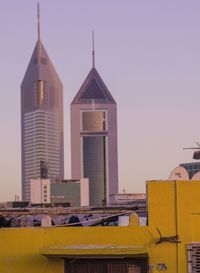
94	138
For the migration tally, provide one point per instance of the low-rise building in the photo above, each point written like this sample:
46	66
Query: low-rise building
169	242
73	192
127	198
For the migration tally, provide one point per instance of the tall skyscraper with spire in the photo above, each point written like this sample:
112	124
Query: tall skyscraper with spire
94	137
41	120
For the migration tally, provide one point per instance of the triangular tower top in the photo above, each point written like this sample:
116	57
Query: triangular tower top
93	90
40	66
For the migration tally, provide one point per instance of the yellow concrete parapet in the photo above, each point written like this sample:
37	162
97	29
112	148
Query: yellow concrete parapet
133	220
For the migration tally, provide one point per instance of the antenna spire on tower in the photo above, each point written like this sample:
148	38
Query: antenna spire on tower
93	51
38	19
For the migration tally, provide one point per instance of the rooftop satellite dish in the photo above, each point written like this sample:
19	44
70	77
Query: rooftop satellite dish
179	173
196	176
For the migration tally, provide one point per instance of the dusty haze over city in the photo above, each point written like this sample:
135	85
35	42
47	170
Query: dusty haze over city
147	53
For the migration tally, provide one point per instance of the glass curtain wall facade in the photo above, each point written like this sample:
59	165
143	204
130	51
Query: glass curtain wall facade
94	139
41	121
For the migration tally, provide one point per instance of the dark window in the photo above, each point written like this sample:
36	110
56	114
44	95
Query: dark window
94	91
117	267
106	266
94	167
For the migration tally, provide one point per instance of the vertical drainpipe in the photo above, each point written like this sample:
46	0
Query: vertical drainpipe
176	223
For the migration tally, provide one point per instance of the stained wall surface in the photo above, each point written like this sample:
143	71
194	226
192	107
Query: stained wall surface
173	209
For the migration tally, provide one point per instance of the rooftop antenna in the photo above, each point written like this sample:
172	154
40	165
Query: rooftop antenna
93	52
38	20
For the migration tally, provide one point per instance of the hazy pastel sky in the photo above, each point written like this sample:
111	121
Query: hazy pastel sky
148	54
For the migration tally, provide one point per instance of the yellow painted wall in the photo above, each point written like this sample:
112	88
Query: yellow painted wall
173	208
161	215
22	246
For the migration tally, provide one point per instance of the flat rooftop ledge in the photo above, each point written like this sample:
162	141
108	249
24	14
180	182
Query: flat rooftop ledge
93	250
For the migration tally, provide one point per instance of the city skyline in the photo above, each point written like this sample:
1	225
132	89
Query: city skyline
147	53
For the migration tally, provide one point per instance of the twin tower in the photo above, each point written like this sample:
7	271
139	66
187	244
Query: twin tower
93	129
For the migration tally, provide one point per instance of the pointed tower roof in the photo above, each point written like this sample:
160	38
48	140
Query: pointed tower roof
40	66
93	89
